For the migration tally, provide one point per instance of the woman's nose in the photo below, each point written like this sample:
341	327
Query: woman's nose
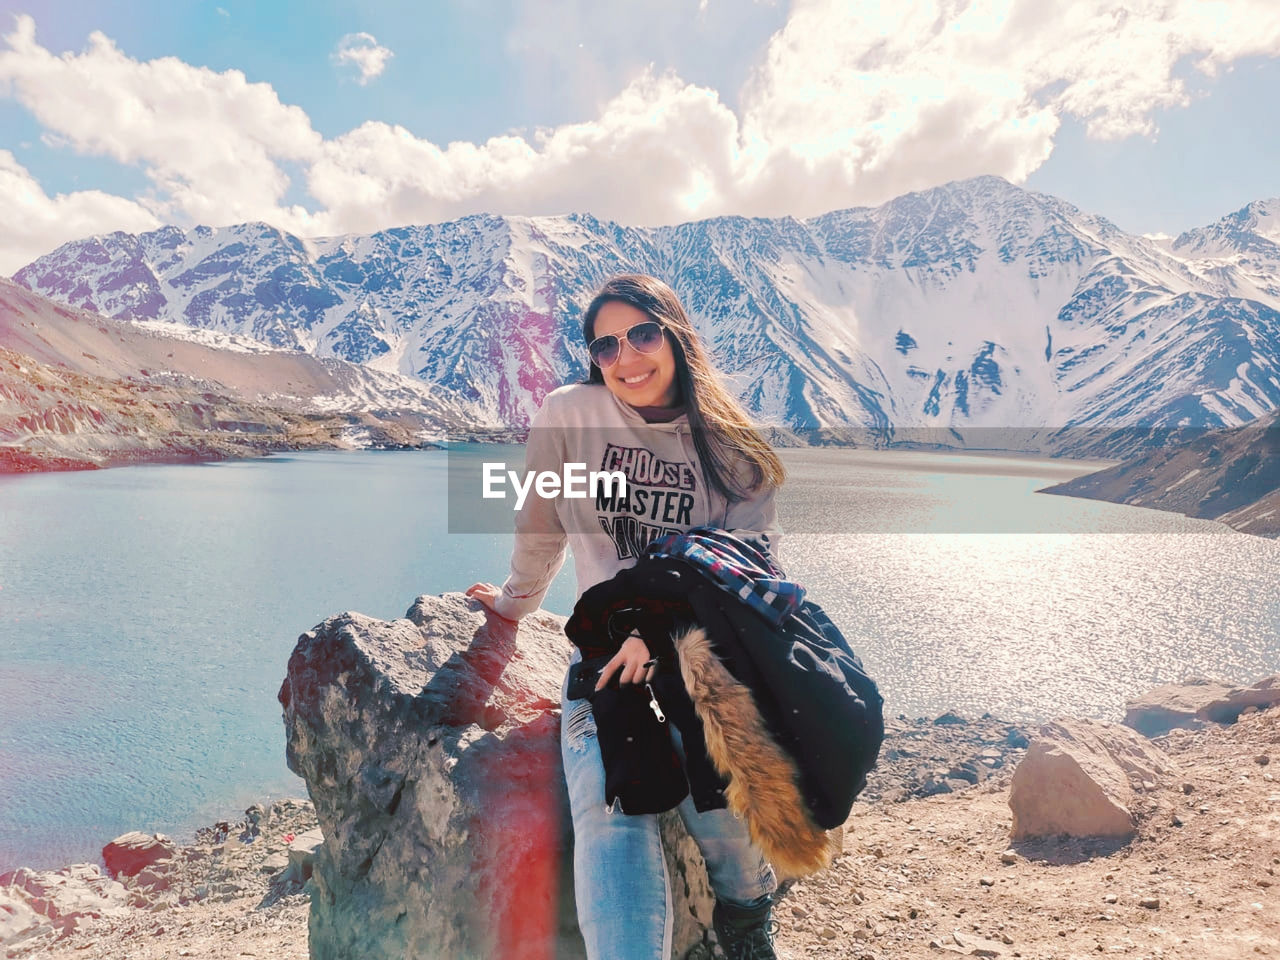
625	345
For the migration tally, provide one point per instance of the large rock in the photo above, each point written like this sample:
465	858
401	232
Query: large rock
1078	778
1197	701
18	919
61	900
130	852
430	748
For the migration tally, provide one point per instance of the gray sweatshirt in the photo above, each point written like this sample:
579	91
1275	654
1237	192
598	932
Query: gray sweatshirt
666	492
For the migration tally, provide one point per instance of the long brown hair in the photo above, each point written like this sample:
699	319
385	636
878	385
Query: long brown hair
722	432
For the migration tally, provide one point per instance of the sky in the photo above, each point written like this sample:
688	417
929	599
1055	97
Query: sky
332	117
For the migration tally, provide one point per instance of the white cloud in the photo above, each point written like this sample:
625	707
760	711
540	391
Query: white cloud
36	223
656	140
878	99
852	103
361	50
210	142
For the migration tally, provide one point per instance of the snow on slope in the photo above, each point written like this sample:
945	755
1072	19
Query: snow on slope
973	307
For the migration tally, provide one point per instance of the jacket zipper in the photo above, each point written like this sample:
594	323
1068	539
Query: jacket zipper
653	704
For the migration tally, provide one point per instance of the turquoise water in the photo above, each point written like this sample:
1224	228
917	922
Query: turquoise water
147	613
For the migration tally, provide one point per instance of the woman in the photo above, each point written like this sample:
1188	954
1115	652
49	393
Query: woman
655	409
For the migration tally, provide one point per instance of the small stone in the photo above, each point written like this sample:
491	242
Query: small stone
987	882
828	933
1150	903
1110	898
1262	759
799	912
1187	787
1009	857
1264	882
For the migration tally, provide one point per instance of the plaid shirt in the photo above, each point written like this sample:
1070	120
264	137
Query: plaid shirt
740	566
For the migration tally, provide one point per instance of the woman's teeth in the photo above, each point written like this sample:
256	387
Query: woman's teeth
637	379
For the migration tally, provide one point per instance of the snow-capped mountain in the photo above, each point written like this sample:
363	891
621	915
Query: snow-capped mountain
968	307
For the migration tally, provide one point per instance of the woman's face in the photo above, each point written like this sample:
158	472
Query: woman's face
640	379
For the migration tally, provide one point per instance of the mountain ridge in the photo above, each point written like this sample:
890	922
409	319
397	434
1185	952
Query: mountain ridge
970	307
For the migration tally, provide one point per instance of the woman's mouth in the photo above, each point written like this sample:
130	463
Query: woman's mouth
638	379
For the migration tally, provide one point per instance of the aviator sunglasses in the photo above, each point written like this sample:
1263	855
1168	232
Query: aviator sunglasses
644	337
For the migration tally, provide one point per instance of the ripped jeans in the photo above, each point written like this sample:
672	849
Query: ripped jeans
619	871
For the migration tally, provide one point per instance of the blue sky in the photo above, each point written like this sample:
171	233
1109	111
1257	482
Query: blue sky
651	112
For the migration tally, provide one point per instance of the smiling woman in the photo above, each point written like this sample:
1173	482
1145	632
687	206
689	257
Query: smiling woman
634	357
654	410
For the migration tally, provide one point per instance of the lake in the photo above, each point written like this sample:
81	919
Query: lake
147	613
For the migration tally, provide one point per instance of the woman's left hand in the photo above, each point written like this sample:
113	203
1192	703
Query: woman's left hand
633	659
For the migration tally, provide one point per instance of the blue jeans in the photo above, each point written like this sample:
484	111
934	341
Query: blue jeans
619	871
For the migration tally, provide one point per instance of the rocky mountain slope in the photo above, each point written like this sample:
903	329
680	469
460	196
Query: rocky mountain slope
79	390
976	313
1228	475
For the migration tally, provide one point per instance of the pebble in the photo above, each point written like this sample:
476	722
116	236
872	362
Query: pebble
1110	898
1151	903
987	882
828	933
1009	857
1262	759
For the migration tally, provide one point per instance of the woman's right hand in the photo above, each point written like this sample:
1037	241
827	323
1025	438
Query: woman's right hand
487	594
633	659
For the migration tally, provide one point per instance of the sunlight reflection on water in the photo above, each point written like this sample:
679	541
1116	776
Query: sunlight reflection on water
1083	605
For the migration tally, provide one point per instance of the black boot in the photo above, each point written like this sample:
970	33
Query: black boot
745	933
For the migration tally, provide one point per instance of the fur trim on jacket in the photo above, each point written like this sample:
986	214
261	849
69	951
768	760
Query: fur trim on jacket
763	780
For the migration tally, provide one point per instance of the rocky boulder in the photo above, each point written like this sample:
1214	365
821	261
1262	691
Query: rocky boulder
35	901
430	748
1080	778
1197	701
131	852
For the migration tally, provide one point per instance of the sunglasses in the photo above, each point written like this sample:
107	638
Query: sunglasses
644	337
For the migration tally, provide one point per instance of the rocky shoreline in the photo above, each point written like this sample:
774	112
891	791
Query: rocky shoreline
928	869
247	877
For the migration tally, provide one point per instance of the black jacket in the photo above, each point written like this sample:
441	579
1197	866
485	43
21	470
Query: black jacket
779	723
